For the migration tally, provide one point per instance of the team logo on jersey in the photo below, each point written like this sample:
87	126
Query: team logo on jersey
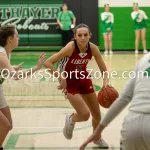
82	55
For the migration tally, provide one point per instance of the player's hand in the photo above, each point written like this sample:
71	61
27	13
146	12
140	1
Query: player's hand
62	85
18	67
94	137
41	60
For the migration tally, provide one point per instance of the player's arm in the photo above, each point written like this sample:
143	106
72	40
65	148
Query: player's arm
5	64
113	111
65	51
97	55
18	67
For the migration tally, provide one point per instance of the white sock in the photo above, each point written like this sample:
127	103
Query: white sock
71	120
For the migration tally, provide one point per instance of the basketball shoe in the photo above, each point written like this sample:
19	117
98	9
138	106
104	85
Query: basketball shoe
69	126
101	144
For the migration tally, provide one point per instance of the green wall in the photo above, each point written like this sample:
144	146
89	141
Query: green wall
35	20
31	2
123	33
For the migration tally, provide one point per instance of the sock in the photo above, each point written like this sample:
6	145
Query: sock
71	120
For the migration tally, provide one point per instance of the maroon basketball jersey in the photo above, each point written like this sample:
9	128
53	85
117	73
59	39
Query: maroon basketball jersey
76	64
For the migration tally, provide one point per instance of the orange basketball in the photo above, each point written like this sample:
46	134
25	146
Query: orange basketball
107	96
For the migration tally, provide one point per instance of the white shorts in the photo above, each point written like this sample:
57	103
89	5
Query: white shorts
136	132
3	102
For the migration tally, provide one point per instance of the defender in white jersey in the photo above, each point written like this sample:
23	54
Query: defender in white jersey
8	41
136	126
139	17
107	26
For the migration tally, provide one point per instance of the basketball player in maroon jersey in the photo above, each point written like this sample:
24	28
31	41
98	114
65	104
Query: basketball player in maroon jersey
80	92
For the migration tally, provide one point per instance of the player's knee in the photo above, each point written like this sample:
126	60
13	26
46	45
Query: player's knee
85	116
5	127
10	127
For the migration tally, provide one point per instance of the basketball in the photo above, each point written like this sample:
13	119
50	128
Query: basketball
107	96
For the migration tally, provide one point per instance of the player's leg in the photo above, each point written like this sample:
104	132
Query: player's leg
105	36
5	125
135	132
7	114
137	38
93	105
143	36
82	114
110	42
82	111
5	117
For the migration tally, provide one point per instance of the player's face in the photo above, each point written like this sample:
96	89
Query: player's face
14	40
135	7
82	35
107	8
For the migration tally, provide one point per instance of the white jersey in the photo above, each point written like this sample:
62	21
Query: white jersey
141	16
2	50
108	15
141	92
137	91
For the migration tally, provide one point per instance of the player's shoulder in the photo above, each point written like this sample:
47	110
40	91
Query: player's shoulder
93	46
71	44
2	51
70	47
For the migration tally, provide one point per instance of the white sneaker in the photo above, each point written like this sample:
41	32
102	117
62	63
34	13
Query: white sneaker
68	129
102	144
145	51
110	52
136	51
106	52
